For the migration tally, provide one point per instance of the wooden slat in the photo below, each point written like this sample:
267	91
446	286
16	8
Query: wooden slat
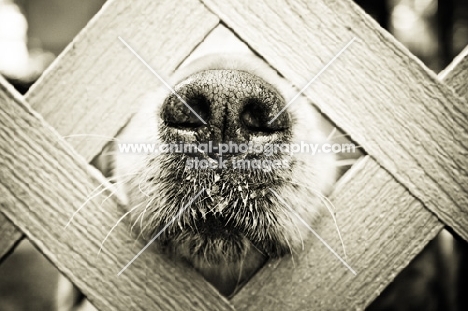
376	91
43	181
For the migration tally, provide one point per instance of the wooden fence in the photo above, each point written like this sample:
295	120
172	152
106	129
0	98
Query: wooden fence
412	124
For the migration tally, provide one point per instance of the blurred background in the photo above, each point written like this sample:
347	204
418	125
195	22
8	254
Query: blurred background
34	32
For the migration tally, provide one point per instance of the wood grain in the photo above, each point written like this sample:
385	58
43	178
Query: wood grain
44	181
376	91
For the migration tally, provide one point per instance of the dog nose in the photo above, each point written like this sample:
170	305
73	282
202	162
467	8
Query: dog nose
226	105
189	111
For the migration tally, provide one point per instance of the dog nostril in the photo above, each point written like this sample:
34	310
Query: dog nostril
258	114
176	113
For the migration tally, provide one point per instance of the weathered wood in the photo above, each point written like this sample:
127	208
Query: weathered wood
378	92
43	181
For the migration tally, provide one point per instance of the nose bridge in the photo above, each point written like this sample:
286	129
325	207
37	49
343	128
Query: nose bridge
227	91
240	87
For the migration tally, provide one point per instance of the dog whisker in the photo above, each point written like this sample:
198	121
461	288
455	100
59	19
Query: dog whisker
114	226
87	201
331	209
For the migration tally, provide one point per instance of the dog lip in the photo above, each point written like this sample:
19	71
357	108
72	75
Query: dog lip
217	221
216	226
